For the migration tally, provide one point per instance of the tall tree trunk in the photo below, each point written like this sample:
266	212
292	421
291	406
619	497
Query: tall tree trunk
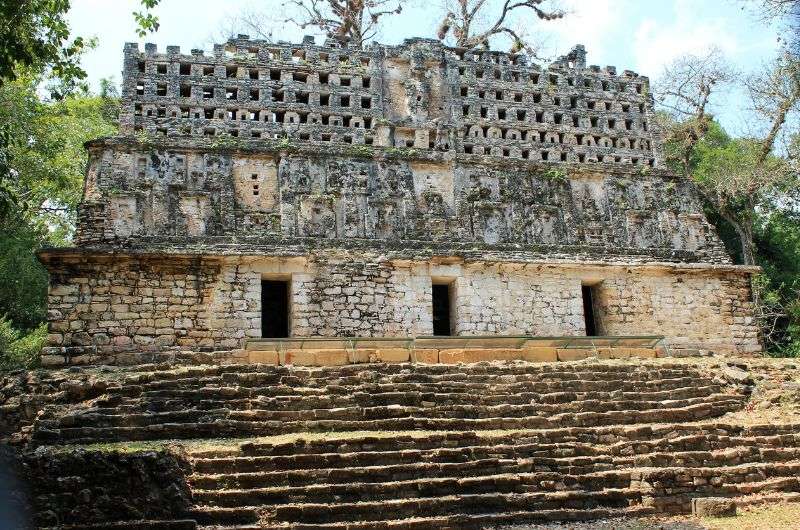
744	229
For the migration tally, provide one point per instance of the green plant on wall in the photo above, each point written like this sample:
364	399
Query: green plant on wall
286	144
555	174
401	152
223	141
363	151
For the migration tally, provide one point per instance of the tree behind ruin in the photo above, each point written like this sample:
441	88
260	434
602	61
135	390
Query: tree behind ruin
475	23
348	21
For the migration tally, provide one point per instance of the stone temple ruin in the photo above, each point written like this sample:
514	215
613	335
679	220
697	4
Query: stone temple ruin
296	190
294	260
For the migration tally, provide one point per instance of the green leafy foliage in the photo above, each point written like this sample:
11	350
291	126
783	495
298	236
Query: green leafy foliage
45	155
778	252
18	350
42	160
762	194
35	34
46	158
146	22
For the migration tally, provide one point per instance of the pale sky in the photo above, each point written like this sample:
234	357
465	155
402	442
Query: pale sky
639	35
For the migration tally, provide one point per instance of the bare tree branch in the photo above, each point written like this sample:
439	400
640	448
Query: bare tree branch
462	19
775	94
353	22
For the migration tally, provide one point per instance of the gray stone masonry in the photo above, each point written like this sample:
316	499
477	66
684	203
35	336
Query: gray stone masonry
361	177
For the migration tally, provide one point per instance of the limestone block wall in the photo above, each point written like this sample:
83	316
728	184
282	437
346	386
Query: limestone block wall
693	310
102	306
510	300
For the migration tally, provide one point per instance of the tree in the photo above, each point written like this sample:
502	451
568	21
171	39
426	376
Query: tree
735	177
35	34
474	23
42	159
775	95
687	91
786	13
35	43
146	21
348	21
47	171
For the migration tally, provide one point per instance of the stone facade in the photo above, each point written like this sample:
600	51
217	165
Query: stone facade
363	177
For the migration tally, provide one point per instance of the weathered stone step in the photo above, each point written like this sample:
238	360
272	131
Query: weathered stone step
216	389
114	418
716	479
453	505
222	370
445	504
551	392
239	374
139	524
709	441
781	479
622	440
464	521
47	432
465	381
246	399
411	488
251	472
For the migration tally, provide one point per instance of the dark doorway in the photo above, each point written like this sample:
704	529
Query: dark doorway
274	309
588	310
441	310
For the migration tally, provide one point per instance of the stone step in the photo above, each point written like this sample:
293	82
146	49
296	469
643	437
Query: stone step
262	412
409	372
328	493
723	480
383	368
657	387
48	431
249	472
621	439
706	441
491	397
456	497
453	505
139	524
510	384
678	499
452	522
361	512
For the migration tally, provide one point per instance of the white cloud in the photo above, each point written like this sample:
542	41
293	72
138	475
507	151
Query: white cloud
657	42
588	23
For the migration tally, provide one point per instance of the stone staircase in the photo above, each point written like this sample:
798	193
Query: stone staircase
241	401
441	446
459	480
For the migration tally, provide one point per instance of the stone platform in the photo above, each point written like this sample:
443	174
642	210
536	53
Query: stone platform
316	351
395	445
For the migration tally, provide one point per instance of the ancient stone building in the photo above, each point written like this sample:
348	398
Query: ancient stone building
303	190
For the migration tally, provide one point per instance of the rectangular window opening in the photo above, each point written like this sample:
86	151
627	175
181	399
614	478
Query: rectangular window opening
274	309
